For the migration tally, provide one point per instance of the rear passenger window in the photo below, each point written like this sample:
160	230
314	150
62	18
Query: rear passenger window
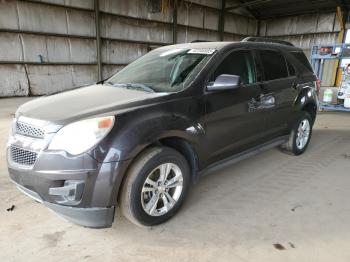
274	65
239	63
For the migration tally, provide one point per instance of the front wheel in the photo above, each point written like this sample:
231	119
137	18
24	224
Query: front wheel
155	186
300	135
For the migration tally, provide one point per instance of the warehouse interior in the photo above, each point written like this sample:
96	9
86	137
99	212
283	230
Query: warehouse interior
50	46
271	207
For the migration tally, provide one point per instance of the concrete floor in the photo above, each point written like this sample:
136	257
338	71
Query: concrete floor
272	207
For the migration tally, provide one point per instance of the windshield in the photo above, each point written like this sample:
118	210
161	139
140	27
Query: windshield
162	70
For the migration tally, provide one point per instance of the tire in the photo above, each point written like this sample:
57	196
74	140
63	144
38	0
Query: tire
136	205
292	146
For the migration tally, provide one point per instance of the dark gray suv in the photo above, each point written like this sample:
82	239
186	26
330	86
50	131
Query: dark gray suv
138	139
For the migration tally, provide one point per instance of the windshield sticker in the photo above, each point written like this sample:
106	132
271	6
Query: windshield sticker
204	51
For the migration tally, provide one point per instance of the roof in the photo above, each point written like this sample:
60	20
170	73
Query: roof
200	45
221	45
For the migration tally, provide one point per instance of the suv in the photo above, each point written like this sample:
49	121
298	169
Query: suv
140	138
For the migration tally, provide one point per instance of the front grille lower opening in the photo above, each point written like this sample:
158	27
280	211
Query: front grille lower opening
22	156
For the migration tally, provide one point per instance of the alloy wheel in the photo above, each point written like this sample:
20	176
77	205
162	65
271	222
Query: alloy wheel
303	134
162	189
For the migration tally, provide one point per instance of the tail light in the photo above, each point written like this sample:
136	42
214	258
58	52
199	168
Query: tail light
318	86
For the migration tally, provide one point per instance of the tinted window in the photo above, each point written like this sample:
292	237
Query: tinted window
274	65
300	56
239	63
291	69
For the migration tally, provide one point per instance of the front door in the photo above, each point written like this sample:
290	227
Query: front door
231	124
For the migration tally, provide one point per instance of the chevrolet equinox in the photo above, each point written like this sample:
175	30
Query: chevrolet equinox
140	138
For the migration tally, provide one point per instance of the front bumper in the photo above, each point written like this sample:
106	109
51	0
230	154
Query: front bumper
95	217
91	206
79	188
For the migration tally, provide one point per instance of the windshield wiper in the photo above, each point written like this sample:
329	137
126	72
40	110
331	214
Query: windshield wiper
133	86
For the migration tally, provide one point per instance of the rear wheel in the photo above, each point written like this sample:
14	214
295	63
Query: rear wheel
155	187
300	135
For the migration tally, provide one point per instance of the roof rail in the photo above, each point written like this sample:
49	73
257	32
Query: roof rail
200	41
266	40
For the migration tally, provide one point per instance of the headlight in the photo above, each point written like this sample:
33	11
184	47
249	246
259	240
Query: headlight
78	137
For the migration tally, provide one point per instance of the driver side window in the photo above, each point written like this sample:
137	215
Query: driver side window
239	63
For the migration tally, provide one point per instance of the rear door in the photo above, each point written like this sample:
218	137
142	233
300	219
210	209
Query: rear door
280	82
231	126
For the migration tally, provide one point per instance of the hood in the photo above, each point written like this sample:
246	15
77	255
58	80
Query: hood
84	102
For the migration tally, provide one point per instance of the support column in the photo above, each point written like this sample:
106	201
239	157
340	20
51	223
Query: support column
258	27
222	20
337	71
98	39
175	22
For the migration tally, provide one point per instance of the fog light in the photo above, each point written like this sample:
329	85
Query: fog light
72	190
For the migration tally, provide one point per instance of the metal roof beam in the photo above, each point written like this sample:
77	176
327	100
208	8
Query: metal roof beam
246	4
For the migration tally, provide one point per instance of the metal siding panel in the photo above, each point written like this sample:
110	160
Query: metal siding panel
51	79
209	3
8	15
134	8
81	23
186	35
123	28
109	70
13	81
83	75
211	19
121	53
33	47
57	49
10	47
192	16
325	22
305	24
82	50
236	24
42	18
87	4
252	27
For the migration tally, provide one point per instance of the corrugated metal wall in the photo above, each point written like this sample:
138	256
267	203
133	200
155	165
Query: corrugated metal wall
50	45
304	31
46	48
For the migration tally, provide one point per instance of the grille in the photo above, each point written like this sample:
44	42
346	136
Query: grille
22	156
29	130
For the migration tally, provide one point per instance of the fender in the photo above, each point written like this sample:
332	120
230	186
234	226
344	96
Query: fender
135	130
126	140
307	96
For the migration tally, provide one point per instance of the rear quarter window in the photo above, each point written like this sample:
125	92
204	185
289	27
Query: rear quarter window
303	62
273	64
291	69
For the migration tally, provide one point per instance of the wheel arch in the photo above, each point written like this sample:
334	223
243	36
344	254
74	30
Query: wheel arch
187	150
180	144
311	108
306	101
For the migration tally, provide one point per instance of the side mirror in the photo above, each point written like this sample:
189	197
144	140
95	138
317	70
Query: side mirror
224	82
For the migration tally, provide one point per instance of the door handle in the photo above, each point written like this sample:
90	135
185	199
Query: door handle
267	100
263	101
